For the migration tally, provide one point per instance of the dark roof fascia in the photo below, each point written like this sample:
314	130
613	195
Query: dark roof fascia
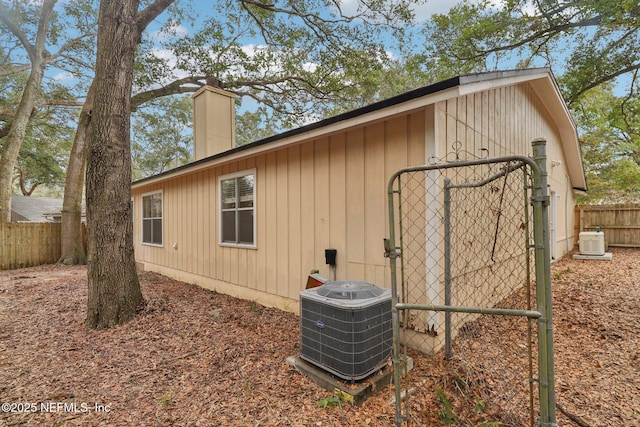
398	99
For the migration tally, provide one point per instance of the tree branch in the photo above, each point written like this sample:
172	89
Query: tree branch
602	79
14	70
59	103
316	23
173	88
256	20
41	36
71	43
15	29
265	6
8	115
546	33
150	13
627	113
72	60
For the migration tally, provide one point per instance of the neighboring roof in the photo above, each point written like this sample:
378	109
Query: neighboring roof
541	79
35	209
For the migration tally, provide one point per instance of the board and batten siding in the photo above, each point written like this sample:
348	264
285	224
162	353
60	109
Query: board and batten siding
504	121
324	193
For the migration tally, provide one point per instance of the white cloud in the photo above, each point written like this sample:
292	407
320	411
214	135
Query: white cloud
530	9
173	30
422	11
63	76
349	7
166	54
310	66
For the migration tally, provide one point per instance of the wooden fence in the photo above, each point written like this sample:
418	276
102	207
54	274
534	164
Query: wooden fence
620	223
29	243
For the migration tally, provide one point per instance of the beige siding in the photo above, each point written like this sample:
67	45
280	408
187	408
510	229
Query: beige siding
294	221
337	202
355	233
321	194
505	121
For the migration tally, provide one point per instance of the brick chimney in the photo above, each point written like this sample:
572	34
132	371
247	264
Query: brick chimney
214	119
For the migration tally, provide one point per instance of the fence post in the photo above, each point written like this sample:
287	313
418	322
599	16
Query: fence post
391	253
540	201
447	268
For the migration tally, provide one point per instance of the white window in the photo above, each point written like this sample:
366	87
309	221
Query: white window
152	218
237	209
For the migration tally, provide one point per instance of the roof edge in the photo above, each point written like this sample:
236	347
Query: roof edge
379	105
431	89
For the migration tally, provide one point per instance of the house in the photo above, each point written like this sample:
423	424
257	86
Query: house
253	221
35	209
38	209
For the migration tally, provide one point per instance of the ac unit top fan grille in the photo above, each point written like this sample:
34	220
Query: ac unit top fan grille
349	290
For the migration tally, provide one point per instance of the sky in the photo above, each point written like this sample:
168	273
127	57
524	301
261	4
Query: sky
422	12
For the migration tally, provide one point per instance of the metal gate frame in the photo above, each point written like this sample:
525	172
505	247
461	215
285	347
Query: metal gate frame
540	202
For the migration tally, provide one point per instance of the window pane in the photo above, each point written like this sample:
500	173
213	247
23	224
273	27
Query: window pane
229	227
152	206
237	205
146	207
157	206
157	231
146	231
245	228
229	194
245	185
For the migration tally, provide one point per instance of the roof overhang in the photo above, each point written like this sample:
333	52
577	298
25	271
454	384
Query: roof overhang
352	119
548	91
541	79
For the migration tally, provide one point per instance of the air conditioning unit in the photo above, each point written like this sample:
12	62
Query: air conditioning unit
345	328
591	243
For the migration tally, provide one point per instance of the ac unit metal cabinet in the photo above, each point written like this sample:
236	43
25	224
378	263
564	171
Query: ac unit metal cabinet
345	328
591	243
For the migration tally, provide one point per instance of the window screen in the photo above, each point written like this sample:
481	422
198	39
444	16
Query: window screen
237	204
152	219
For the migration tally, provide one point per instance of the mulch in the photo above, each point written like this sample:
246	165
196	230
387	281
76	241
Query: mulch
194	357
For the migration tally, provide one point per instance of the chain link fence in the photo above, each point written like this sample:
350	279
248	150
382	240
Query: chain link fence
464	251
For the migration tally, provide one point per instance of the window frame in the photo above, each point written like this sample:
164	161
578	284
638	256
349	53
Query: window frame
161	218
237	209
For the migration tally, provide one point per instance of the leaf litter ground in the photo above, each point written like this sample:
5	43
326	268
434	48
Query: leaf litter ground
193	357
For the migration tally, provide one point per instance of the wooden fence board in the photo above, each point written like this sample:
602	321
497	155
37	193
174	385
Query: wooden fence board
28	244
620	223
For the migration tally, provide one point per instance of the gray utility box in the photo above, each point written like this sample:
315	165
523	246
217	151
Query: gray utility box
345	328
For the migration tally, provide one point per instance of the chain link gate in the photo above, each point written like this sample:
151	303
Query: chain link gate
469	259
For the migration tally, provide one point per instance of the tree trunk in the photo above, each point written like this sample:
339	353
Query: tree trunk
11	147
114	290
73	251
